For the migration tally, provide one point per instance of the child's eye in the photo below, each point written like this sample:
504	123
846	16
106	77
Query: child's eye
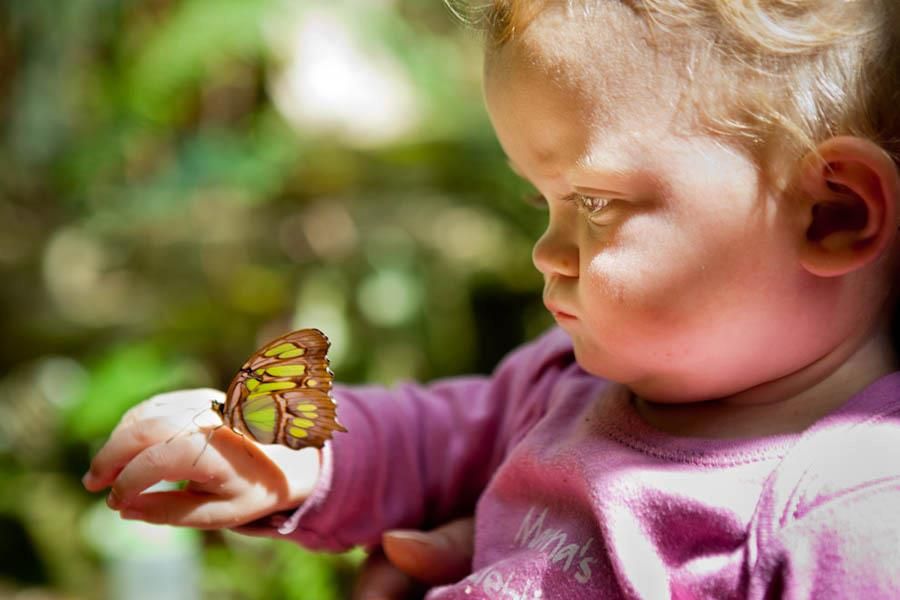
592	206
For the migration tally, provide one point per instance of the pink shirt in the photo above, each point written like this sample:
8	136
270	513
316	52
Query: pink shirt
576	497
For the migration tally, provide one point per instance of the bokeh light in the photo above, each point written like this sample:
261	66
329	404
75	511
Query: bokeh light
331	79
181	181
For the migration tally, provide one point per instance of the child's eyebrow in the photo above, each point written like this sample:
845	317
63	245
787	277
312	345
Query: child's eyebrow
601	165
592	191
586	190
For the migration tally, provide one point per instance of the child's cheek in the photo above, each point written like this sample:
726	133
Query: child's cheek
641	268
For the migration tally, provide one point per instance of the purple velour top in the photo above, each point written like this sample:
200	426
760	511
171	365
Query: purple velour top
576	497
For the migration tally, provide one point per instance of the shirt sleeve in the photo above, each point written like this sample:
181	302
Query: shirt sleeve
418	455
847	547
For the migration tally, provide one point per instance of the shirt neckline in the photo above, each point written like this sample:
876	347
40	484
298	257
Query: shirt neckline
619	418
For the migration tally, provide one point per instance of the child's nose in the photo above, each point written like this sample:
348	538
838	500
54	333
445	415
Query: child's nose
556	254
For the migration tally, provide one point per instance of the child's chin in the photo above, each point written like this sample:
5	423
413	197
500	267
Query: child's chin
588	361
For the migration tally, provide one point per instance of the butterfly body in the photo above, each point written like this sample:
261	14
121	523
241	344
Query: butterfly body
282	394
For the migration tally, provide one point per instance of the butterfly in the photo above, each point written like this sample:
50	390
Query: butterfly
282	394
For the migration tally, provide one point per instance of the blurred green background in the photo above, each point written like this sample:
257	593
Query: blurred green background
183	180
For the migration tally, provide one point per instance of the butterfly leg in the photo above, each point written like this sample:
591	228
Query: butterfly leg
244	440
208	437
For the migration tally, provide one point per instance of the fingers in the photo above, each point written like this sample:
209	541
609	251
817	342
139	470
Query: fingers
175	461
151	422
440	556
184	508
443	555
124	445
380	580
173	405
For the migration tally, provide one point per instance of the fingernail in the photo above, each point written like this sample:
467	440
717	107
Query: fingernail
416	537
87	479
131	513
113	500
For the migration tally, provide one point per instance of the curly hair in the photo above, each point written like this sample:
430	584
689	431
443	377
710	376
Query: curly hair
789	73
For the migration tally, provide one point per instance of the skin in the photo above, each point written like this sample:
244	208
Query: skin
232	480
236	480
728	309
696	287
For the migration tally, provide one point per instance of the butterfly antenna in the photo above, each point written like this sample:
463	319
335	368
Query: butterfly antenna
193	422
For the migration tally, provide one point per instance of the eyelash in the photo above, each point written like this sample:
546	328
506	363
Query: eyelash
590	205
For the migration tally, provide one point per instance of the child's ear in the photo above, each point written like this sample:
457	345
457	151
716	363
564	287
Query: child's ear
849	190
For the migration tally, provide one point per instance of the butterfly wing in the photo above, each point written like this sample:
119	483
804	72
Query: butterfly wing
283	392
260	416
309	418
302	347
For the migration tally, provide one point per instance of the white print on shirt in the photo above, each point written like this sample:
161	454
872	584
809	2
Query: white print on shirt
552	542
499	583
493	584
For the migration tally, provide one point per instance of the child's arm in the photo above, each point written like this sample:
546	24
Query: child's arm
419	455
233	480
414	456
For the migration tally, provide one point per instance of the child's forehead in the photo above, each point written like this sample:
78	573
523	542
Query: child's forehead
608	57
561	100
568	30
590	48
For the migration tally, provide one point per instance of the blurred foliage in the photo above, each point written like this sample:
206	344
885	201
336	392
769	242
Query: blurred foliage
182	180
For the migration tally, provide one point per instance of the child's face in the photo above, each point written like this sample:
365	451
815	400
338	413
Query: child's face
687	285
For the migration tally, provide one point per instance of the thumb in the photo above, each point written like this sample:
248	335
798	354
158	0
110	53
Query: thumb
439	556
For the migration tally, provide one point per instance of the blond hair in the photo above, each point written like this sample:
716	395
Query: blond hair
788	73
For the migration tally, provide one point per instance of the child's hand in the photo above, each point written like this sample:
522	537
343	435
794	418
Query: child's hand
412	558
234	481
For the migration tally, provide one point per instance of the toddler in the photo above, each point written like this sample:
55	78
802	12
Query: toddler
717	414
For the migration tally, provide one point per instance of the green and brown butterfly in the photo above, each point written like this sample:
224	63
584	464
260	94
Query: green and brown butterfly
282	394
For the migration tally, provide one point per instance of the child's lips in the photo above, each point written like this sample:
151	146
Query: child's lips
558	313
